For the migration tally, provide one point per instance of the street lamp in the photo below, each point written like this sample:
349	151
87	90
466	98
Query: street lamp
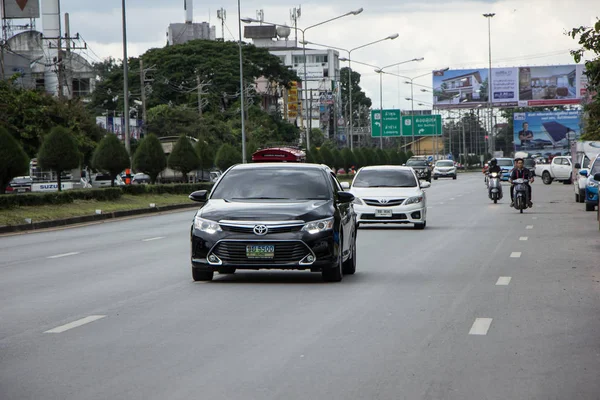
411	98
305	83
489	17
242	105
350	126
380	71
126	82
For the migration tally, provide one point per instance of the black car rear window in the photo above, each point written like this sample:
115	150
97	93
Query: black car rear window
417	163
270	183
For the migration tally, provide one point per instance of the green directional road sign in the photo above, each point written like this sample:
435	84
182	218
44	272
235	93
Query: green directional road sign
391	123
425	125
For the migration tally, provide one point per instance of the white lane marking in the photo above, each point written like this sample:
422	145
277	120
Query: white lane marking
75	324
529	227
515	254
441	203
154	238
503	281
523	238
452	198
64	255
480	326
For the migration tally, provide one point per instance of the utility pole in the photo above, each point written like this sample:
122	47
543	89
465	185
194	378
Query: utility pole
200	88
143	88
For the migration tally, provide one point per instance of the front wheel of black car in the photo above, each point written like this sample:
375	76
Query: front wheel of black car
349	266
334	272
200	275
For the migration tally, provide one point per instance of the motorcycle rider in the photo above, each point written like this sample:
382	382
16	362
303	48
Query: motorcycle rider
494	167
520	172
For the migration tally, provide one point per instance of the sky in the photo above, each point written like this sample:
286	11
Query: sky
447	33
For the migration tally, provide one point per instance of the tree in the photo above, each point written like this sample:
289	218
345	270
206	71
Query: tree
59	152
227	156
349	158
316	155
164	120
206	155
111	156
382	156
13	160
589	41
359	157
317	137
150	157
402	158
360	102
183	158
327	156
338	160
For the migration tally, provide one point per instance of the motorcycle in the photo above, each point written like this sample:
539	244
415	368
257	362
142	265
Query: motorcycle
494	187
521	194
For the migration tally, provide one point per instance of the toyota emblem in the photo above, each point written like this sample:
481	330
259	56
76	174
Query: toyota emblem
260	230
383	201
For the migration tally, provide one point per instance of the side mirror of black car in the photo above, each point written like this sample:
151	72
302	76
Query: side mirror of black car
345	197
578	166
597	177
199	195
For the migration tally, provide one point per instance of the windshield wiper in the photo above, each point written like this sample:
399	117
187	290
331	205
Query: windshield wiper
260	198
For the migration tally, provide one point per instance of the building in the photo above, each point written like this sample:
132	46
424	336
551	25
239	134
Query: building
26	53
318	92
179	33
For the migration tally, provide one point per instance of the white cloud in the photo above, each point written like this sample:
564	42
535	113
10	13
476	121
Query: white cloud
447	33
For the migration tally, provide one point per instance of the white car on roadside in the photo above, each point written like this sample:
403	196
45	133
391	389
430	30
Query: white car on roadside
389	194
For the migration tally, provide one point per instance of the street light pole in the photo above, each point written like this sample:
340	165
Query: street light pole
381	111
305	83
125	82
489	17
242	105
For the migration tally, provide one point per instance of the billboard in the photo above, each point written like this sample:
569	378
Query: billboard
511	87
20	9
546	132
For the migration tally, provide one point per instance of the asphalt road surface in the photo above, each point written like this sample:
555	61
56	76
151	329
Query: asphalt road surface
485	303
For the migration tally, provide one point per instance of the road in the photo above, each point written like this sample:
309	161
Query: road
484	303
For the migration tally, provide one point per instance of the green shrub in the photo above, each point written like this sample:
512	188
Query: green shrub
178	188
54	198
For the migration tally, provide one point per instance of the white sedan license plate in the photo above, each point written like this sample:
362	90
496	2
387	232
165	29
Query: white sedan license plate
383	213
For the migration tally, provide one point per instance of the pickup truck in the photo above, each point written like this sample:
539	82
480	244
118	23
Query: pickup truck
559	169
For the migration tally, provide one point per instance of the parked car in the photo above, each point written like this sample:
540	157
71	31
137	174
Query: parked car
140	178
591	188
290	216
444	169
559	169
19	184
104	180
389	194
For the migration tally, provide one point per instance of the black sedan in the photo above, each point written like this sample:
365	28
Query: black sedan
421	168
274	216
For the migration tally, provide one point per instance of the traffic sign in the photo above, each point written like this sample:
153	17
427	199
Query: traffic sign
391	123
425	125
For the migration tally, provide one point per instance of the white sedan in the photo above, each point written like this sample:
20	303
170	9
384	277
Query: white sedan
389	194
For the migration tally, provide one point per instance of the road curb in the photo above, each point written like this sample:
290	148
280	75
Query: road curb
91	218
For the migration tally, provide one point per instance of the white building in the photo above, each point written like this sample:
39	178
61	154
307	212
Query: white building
180	33
321	80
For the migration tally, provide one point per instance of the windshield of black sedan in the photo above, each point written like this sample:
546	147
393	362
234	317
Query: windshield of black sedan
273	183
418	163
384	178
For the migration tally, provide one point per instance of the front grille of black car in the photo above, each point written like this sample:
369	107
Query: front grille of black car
372	216
378	203
234	252
271	229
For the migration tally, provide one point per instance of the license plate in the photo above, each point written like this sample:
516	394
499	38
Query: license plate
383	213
260	251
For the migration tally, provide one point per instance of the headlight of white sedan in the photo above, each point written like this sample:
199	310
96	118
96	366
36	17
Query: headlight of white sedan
357	201
413	200
205	225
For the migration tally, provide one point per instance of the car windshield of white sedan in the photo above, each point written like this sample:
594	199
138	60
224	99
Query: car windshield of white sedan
273	184
384	178
444	164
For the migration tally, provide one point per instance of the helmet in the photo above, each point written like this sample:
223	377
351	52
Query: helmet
493	162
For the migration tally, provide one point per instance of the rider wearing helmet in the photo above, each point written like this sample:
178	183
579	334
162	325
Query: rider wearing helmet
494	167
519	172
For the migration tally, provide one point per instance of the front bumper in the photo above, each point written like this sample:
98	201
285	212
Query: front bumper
424	175
410	214
293	250
442	174
591	195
